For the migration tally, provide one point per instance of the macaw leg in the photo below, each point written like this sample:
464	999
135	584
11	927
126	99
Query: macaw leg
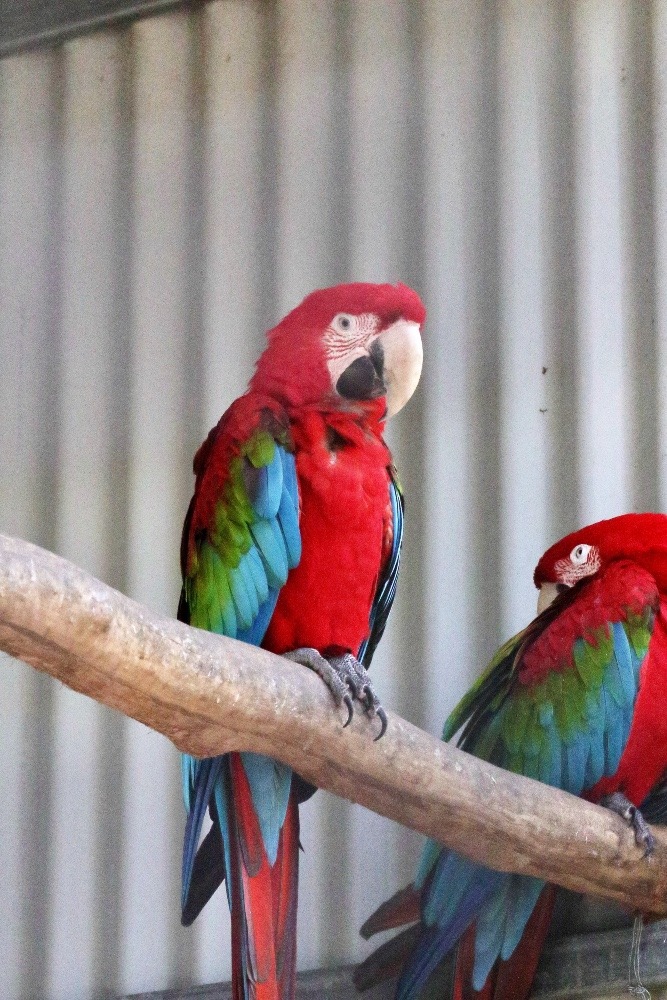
618	803
346	679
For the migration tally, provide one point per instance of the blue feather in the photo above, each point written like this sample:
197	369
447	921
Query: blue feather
188	772
626	662
525	893
289	524
257	630
269	487
614	736
595	762
577	752
207	774
255	566
490	933
270	784
243	604
429	857
451	880
220	798
245	571
435	942
271	544
290	480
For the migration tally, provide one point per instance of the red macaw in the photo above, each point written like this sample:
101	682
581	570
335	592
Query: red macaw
292	542
576	700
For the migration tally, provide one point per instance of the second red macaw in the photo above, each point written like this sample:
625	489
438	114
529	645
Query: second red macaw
292	542
576	700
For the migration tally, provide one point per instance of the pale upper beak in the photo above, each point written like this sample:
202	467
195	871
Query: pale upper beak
403	355
547	595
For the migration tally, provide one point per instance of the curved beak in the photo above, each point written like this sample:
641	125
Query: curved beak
547	595
364	376
401	345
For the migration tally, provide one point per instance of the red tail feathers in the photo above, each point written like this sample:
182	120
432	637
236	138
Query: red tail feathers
264	899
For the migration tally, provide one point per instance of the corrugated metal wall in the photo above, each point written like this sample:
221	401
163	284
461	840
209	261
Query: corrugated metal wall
167	192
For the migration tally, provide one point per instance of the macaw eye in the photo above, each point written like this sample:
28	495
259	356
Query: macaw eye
342	322
579	554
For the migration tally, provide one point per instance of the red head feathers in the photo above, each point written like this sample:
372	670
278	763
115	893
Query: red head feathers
641	538
347	343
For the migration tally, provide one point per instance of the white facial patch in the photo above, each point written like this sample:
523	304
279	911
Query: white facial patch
347	338
584	560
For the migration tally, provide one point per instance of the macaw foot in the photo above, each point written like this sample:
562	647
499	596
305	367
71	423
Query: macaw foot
618	803
346	679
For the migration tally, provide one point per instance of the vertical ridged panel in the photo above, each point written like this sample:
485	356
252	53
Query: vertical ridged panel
89	515
164	361
29	291
167	192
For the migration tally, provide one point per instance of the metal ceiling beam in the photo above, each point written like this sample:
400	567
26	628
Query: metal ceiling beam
29	24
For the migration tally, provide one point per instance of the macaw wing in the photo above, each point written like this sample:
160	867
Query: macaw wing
234	565
555	704
388	579
558	706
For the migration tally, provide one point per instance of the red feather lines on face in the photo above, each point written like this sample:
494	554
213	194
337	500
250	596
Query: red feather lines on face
621	590
293	366
339	344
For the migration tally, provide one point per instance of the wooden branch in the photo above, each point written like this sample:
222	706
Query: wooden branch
210	695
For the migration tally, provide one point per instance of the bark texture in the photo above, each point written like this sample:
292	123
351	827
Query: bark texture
209	695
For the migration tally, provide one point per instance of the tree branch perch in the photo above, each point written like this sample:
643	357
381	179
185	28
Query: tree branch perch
209	695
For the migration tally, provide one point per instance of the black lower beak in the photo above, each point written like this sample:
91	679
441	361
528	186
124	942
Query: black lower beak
363	378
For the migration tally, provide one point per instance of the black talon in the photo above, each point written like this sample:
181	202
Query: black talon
368	699
350	710
382	716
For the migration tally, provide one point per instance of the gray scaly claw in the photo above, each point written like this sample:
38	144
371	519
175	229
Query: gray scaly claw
347	679
619	804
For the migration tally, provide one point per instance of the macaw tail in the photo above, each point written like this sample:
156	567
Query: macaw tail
511	978
253	847
418	953
263	897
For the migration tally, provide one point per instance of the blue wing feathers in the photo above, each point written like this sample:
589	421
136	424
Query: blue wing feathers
253	562
436	941
241	598
205	774
290	481
268	487
577	751
288	519
250	587
627	661
269	540
255	633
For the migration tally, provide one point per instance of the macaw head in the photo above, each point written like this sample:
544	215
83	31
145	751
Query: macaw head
641	538
346	345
